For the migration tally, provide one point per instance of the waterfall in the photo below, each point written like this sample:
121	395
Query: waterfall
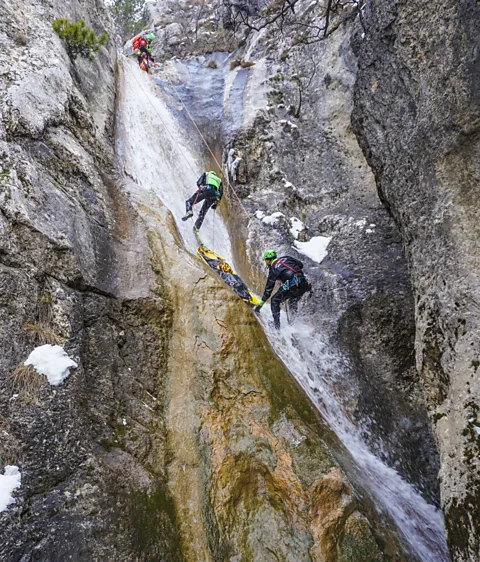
160	156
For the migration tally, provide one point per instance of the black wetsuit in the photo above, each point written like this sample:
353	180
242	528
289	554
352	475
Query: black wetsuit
207	193
142	54
289	271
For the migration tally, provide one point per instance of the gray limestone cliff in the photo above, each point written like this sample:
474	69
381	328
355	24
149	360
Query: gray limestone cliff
416	114
281	111
180	436
82	496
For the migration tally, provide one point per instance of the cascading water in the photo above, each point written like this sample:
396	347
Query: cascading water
419	524
155	153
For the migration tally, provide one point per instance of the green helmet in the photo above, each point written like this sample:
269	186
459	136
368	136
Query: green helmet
151	36
270	255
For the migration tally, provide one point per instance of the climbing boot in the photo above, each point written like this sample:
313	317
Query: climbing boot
189	215
196	229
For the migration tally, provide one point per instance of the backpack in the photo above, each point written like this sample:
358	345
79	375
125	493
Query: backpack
138	42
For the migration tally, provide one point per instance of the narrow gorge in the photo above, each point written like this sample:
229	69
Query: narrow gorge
182	425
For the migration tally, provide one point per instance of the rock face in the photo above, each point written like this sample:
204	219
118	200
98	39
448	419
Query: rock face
86	447
180	436
417	108
249	474
285	121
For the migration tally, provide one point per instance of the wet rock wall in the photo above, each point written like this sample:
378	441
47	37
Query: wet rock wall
179	436
416	116
89	450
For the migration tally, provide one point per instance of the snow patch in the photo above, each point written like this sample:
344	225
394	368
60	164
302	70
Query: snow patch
273	218
477	429
297	227
9	482
51	361
259	214
288	184
315	249
232	163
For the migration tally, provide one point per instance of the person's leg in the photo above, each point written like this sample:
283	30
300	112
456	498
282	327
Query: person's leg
277	299
197	197
292	308
294	296
209	201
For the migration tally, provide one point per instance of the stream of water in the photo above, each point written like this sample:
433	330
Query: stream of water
160	157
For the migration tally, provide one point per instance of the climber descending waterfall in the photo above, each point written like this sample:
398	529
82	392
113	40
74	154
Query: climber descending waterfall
210	190
295	283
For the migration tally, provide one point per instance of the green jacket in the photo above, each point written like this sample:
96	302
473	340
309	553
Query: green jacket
213	179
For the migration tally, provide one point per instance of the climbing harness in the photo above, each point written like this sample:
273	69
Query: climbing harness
293	282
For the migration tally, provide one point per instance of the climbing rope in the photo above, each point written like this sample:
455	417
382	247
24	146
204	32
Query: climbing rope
166	128
220	167
213	229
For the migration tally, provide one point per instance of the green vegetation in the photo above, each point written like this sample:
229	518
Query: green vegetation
80	39
130	17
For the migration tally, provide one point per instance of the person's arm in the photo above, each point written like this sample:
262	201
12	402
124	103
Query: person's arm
272	277
202	179
220	195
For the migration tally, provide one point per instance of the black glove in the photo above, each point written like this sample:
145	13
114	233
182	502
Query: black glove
258	308
214	206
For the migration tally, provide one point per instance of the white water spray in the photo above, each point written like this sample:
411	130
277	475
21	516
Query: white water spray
420	526
155	153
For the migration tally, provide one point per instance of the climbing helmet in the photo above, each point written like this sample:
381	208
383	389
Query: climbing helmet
270	255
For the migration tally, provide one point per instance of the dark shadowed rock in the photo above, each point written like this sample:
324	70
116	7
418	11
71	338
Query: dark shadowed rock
416	114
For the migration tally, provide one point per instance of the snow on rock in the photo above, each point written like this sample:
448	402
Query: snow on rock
297	227
288	125
9	482
289	185
232	163
273	218
259	214
315	249
51	361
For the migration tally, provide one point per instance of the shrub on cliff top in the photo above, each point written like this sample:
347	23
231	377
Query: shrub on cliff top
80	40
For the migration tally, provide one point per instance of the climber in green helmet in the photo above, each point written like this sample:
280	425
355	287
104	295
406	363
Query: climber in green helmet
210	190
295	283
150	38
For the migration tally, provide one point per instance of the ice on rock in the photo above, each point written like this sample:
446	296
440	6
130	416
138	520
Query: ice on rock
273	218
